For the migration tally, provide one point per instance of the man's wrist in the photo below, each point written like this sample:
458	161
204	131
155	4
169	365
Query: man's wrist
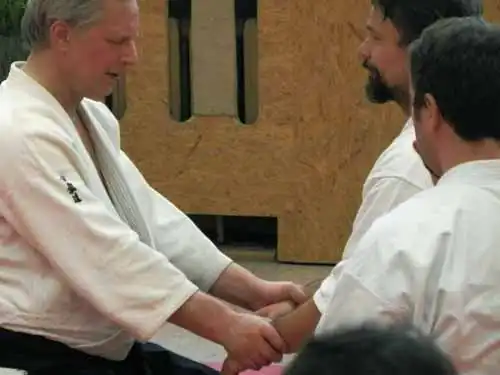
259	296
240	287
206	316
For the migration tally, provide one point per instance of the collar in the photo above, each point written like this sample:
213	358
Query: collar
19	80
477	172
408	125
18	77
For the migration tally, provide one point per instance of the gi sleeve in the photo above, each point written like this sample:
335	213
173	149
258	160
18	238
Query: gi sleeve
43	195
376	284
380	196
175	235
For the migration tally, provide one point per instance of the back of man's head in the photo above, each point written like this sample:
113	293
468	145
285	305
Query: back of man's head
457	62
411	17
371	350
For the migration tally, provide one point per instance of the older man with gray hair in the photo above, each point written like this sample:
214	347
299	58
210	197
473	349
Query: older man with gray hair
93	260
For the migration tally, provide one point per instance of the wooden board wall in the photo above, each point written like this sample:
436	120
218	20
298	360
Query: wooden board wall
316	137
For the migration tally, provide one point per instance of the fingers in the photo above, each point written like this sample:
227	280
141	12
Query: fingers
268	349
264	312
268	310
265	356
273	338
297	294
255	343
269	355
276	310
230	367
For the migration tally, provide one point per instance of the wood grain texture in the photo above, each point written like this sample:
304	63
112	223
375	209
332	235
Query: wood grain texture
304	160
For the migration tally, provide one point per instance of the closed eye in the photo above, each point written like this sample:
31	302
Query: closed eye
373	33
119	41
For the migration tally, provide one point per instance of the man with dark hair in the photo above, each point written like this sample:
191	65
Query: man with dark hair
371	350
433	261
392	25
399	173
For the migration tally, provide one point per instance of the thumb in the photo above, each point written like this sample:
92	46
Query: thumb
276	310
274	339
297	293
266	310
229	367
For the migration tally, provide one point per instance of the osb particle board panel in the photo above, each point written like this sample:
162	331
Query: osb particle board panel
305	159
213	51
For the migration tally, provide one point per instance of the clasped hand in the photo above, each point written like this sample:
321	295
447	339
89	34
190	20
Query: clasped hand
252	343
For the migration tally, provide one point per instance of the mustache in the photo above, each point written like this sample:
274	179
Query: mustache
374	71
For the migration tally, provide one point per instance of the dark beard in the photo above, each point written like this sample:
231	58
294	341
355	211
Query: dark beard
376	90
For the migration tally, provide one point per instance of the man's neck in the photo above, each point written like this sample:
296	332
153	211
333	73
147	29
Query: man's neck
42	69
403	101
464	152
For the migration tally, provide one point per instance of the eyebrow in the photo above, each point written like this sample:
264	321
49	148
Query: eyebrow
371	29
122	38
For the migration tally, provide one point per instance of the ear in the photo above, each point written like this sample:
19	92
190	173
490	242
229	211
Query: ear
60	35
432	112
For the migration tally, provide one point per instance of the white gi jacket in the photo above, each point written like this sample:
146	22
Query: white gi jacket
397	175
71	267
434	262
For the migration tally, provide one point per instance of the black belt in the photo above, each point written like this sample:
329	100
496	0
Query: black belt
40	356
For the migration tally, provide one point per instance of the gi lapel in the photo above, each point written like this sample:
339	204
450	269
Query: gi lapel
118	188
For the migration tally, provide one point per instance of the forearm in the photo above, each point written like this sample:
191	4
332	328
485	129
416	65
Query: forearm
205	316
240	287
296	327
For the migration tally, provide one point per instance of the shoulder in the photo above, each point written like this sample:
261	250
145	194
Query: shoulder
22	123
23	113
30	134
416	229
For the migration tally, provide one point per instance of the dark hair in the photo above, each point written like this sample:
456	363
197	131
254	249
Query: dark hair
411	17
371	350
457	61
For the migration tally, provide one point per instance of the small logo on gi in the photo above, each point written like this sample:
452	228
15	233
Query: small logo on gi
71	190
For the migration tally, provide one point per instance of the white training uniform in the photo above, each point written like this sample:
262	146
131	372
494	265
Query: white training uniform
78	265
397	175
434	262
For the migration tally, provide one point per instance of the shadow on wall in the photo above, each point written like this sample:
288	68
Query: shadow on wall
239	231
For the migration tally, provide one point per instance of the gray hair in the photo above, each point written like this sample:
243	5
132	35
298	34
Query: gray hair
41	14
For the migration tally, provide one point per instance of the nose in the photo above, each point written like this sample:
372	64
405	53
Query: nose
363	51
130	56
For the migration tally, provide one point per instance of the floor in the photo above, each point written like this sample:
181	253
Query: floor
263	265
